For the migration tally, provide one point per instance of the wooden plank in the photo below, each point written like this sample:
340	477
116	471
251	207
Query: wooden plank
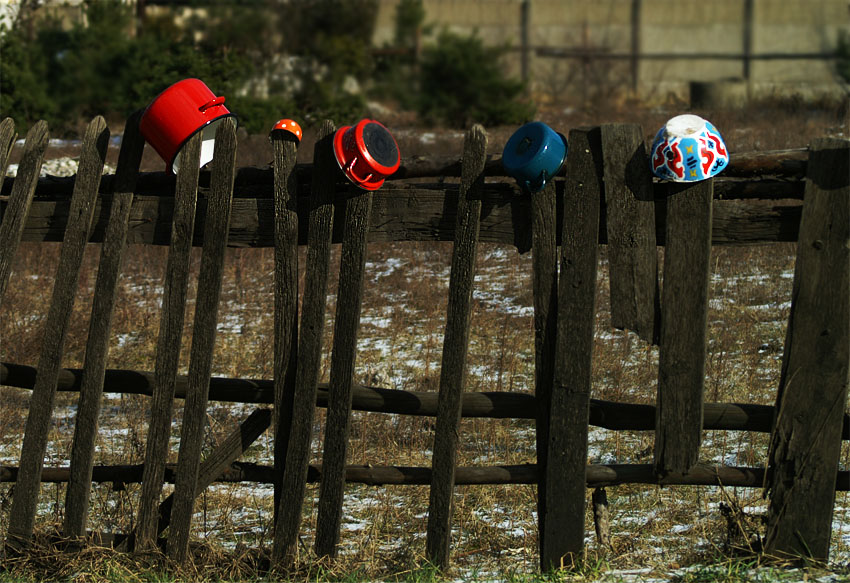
20	199
630	219
570	400
25	500
97	344
203	340
308	368
544	247
341	389
8	135
168	343
684	327
285	147
806	444
418	212
455	345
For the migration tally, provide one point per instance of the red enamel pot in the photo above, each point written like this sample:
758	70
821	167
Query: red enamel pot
367	153
177	114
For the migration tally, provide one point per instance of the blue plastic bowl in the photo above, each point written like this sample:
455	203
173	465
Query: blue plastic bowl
533	155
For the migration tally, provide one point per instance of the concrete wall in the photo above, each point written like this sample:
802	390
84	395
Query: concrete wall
666	26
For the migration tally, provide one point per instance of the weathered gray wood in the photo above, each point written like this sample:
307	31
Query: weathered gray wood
455	345
285	545
630	214
570	401
216	464
7	140
601	520
544	235
684	319
413	213
285	147
203	340
97	346
92	157
17	209
489	404
168	343
806	444
340	392
598	476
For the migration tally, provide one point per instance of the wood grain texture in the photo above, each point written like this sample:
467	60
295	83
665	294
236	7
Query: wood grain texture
544	235
630	219
285	544
168	343
570	401
684	327
806	444
16	211
25	500
285	148
412	212
341	386
7	140
455	345
203	340
97	345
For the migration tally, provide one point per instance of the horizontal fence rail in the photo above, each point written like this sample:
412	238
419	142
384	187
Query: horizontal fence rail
489	404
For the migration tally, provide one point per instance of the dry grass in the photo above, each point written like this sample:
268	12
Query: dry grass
403	318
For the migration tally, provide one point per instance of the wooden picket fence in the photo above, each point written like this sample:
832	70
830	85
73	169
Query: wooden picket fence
606	196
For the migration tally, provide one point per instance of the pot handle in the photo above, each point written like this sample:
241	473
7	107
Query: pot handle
211	103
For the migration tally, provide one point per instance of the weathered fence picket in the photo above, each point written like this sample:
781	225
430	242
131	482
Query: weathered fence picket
358	211
606	165
203	339
7	140
17	209
168	343
28	485
455	345
544	245
308	366
812	395
630	221
684	326
569	408
285	146
97	345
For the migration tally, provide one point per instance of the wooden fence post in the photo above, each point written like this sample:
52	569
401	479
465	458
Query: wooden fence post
544	245
684	320
358	210
15	216
455	345
168	343
285	146
28	486
630	220
566	487
806	442
203	339
285	545
7	140
97	346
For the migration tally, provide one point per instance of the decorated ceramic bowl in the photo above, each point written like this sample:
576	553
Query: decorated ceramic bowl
688	149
